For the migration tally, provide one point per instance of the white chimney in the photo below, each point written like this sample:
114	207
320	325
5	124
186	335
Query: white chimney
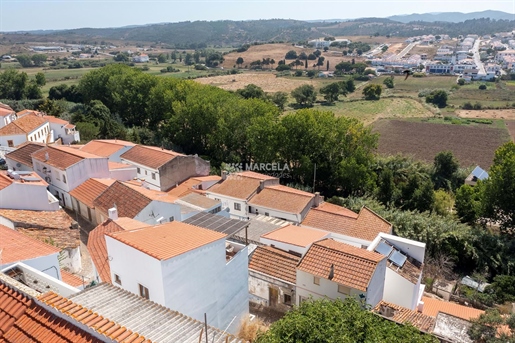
318	199
112	213
420	307
46	156
224	175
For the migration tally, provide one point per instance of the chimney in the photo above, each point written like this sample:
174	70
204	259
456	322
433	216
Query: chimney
224	175
46	156
261	185
420	306
331	272
113	213
317	200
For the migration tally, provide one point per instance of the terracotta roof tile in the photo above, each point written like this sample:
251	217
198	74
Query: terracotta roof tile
353	267
91	319
97	244
369	224
55	120
23	153
105	148
91	189
71	279
152	157
19	247
198	200
116	165
275	263
254	175
23	320
152	193
129	202
167	240
192	185
23	125
5	181
433	306
403	315
236	187
282	198
5	110
296	235
61	157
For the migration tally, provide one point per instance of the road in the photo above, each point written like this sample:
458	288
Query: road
407	49
477	58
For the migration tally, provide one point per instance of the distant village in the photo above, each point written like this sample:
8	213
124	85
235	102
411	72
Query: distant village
125	242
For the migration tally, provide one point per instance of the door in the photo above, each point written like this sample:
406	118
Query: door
273	295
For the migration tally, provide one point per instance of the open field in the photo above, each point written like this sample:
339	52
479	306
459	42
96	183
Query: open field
510	125
489	114
471	145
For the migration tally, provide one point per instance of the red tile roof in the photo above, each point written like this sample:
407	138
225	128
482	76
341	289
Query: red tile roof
23	153
97	244
370	223
23	125
19	247
282	198
128	201
296	235
5	181
275	263
236	187
353	267
91	189
61	157
433	306
23	320
152	157
55	120
105	148
403	315
71	279
167	240
5	110
254	175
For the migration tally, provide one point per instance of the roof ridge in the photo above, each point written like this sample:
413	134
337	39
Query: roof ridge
375	214
367	252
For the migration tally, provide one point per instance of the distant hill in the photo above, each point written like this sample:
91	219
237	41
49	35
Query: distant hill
453	17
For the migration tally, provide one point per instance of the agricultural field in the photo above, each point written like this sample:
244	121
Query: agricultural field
510	125
471	144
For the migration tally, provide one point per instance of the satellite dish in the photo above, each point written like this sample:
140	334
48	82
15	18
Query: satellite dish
18	164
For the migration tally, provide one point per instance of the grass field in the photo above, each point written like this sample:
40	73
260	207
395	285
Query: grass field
471	144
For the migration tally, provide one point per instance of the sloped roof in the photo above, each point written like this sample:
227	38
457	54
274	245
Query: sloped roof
71	279
129	202
236	187
296	235
5	181
152	193
433	306
152	157
105	147
151	320
282	198
23	153
23	125
275	263
199	201
59	121
404	315
353	267
16	246
5	110
24	320
97	244
91	189
369	224
61	157
167	240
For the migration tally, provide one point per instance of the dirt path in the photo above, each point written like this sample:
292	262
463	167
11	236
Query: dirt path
490	114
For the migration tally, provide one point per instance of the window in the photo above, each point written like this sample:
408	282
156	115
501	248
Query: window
153	176
287	299
316	280
267	214
344	289
143	291
117	279
146	172
10	143
172	218
64	178
237	207
138	170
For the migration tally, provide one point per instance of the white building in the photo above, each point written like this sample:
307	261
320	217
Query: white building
25	191
7	115
140	59
405	260
25	129
21	159
83	196
337	270
164	169
110	148
293	239
61	129
321	43
186	269
65	168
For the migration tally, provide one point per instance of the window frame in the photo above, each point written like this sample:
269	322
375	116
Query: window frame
117	279
143	291
237	206
316	280
343	286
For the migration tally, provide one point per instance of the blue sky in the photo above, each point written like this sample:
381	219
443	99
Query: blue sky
66	14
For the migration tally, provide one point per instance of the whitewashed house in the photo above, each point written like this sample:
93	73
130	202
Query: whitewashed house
337	270
25	191
110	148
82	197
235	191
405	260
65	168
163	169
21	159
293	239
63	130
187	269
143	58
7	115
25	129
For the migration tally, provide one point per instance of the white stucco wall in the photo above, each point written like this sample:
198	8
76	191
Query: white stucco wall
15	165
116	156
158	209
26	196
70	258
145	174
135	267
59	130
17	140
259	290
285	246
125	174
48	264
375	290
398	290
39	134
228	202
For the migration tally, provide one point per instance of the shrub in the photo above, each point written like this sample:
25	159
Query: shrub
298	73
311	73
419	74
477	106
467	106
461	82
482	86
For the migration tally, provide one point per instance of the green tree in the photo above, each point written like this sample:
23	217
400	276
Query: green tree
40	79
51	107
468	203
304	95
492	327
121	57
161	58
445	168
437	97
24	60
280	99
188	60
332	91
498	199
372	92
388	82
338	321
88	131
252	91
443	203
291	55
39	59
239	61
13	84
33	91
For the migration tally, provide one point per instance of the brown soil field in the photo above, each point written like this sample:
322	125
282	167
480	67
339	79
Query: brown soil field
471	145
278	51
395	48
488	114
265	80
510	125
